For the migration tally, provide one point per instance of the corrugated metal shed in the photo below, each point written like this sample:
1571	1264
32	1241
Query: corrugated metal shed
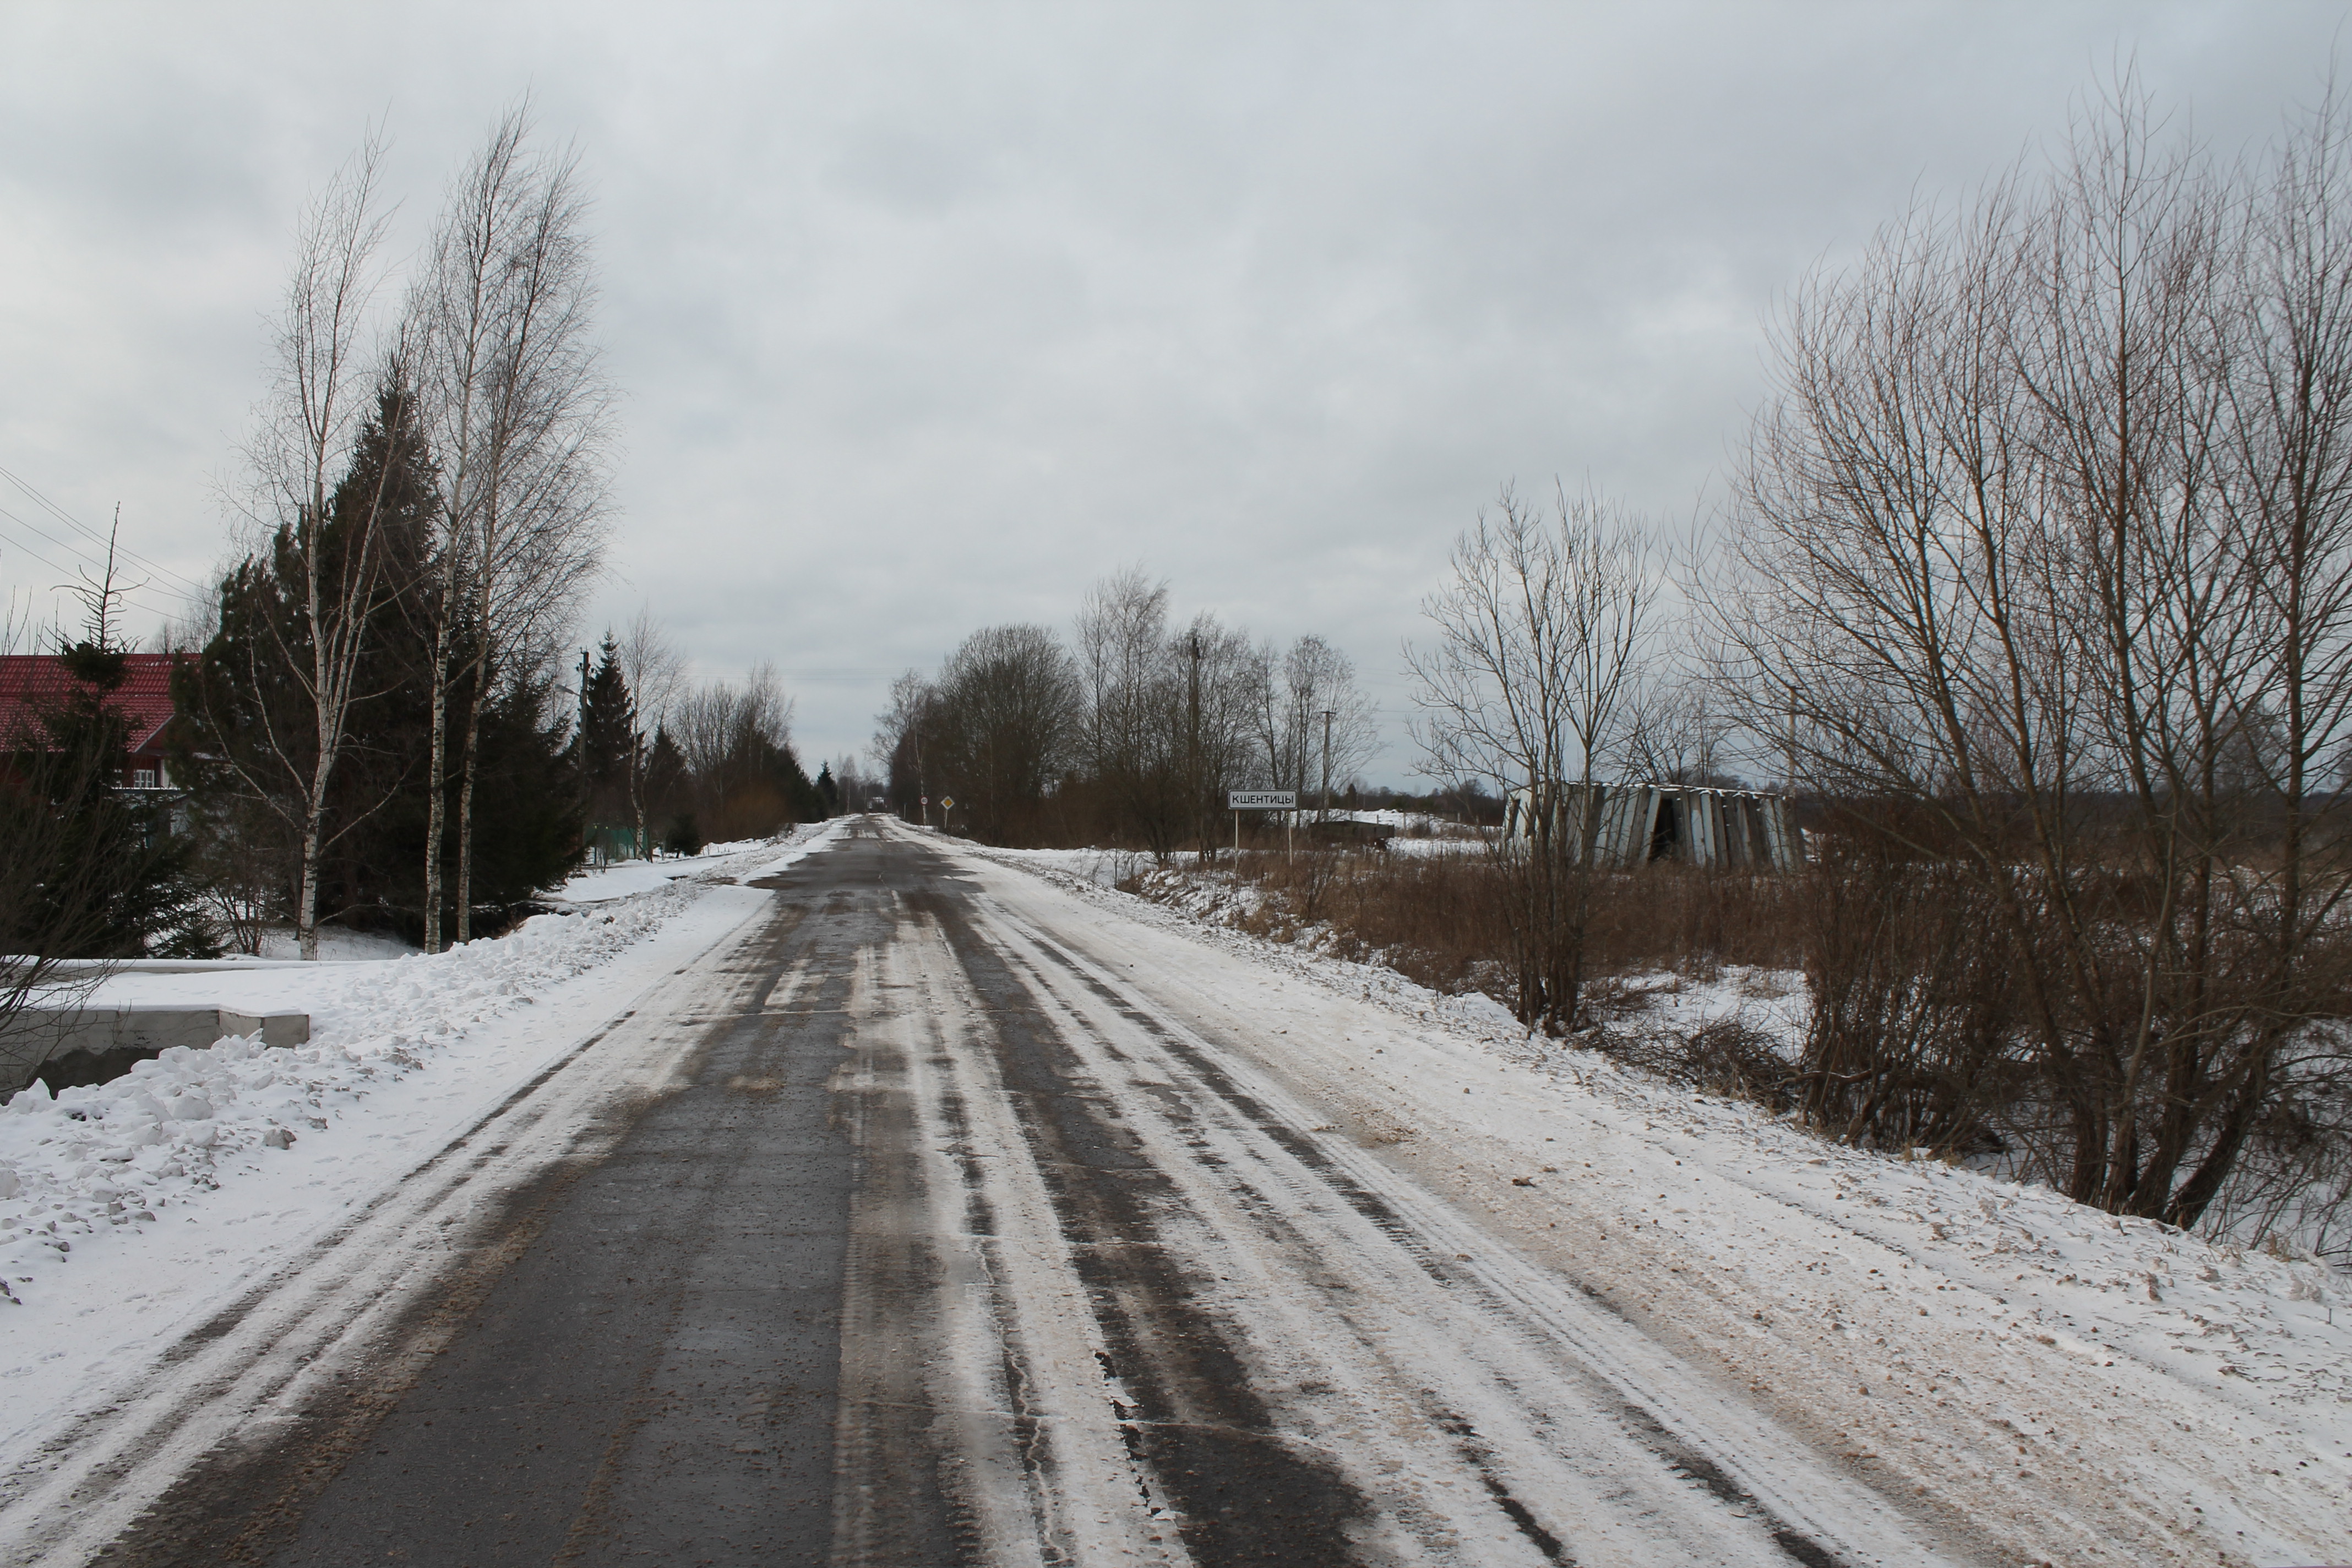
1690	823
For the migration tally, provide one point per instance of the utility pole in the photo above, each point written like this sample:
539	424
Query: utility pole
1192	742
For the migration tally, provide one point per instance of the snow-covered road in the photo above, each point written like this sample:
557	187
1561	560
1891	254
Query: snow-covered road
948	1214
1180	1315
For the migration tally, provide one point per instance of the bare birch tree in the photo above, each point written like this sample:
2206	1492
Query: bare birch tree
1313	723
1006	714
518	407
328	370
1134	735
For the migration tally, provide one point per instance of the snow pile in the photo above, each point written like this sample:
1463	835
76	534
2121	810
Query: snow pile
119	1154
1220	899
1442	844
623	880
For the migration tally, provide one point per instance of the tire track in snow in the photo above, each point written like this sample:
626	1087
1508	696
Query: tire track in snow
1187	1408
1678	1455
1234	1157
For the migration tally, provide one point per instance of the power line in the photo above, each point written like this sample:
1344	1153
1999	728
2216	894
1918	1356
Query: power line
74	523
88	559
130	595
840	673
24	548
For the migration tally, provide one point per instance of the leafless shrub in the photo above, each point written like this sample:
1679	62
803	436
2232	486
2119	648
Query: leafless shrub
1543	635
1444	920
1912	1036
1725	1057
1694	921
2046	538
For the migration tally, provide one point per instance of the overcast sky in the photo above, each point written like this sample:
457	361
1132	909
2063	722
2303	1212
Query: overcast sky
926	317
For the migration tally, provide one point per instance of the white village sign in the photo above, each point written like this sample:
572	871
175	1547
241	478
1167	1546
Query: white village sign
1240	800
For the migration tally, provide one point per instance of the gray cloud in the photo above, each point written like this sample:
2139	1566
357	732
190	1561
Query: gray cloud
927	315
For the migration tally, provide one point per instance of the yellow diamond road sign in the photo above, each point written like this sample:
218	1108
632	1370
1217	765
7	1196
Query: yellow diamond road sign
947	802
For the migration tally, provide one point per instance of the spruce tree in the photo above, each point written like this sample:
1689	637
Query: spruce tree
246	738
667	790
607	740
113	878
527	813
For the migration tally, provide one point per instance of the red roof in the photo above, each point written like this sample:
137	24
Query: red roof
145	698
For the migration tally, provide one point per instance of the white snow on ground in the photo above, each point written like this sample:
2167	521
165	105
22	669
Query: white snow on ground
1441	845
1104	868
2045	1366
632	876
128	1208
335	945
1403	821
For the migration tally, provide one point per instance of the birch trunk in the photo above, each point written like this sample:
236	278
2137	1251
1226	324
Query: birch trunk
464	913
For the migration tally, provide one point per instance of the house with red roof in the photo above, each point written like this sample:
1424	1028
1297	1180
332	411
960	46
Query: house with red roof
29	682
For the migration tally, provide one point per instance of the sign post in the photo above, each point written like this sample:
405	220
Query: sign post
1240	800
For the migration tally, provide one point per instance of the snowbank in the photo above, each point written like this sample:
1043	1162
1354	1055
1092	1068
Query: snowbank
336	945
627	877
1104	868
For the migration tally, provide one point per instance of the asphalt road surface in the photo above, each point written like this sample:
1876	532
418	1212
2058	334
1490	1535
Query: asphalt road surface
936	1229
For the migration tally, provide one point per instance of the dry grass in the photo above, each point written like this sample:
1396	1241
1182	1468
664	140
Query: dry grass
1440	920
1913	1038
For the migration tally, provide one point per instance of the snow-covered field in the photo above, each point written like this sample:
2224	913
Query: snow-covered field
2042	1365
1417	832
129	1208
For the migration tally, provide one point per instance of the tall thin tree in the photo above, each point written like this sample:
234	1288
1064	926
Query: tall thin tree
326	368
518	408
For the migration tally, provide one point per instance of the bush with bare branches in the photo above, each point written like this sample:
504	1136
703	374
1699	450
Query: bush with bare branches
2046	538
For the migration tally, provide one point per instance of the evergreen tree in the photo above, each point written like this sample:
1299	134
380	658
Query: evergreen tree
668	796
238	703
247	736
527	819
106	876
827	790
607	741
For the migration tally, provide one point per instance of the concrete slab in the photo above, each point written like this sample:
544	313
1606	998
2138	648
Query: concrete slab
66	1045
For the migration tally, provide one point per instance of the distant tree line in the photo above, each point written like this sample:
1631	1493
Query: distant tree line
1131	733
